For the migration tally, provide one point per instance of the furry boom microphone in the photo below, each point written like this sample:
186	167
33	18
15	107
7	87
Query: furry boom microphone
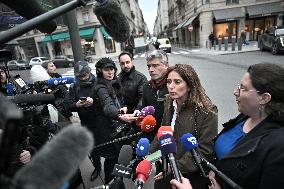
112	18
30	10
57	161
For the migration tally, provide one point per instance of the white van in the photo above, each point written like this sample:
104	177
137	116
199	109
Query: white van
165	45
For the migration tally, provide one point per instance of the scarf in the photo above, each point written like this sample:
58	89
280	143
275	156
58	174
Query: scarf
158	85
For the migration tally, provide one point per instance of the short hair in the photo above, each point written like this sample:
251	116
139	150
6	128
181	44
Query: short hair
45	64
125	53
158	54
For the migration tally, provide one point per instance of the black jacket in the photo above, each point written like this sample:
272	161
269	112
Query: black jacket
156	98
107	114
257	161
132	84
76	91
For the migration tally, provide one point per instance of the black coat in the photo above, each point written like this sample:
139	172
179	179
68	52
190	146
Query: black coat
257	161
86	114
132	84
156	98
107	114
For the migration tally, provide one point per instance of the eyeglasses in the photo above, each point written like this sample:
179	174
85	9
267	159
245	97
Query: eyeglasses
240	89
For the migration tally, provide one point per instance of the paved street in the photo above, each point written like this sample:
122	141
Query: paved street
219	75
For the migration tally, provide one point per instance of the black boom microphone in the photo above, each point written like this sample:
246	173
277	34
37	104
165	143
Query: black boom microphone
57	161
110	15
33	99
30	10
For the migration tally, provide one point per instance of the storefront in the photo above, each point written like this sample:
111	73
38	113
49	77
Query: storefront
225	22
109	42
260	18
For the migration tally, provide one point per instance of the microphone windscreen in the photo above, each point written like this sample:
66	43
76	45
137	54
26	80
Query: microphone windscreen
142	147
38	73
189	142
112	18
167	144
163	130
144	168
30	10
33	99
125	155
57	161
58	81
148	110
148	123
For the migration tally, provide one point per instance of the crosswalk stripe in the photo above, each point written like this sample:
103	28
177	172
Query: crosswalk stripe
175	53
135	56
183	52
143	55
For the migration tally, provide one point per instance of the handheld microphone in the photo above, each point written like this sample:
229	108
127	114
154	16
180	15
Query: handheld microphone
142	147
30	10
148	110
143	171
57	161
148	123
110	15
163	130
168	147
60	81
121	169
190	144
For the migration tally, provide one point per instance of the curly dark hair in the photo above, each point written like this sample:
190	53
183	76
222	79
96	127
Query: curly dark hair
269	78
196	96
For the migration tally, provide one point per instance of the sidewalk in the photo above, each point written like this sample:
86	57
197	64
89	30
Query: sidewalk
245	48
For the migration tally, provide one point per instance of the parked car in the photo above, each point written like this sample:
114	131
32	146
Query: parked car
18	64
165	45
63	61
38	60
273	40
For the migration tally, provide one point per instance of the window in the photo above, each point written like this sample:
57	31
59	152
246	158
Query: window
110	45
89	47
232	2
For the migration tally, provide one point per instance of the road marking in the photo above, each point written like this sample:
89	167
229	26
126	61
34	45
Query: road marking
135	56
143	55
175	53
184	52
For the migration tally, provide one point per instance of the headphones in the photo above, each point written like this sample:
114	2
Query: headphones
101	63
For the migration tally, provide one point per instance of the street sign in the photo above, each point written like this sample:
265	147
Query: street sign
190	27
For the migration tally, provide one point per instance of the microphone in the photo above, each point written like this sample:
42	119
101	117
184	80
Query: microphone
163	130
33	99
148	123
168	147
143	171
148	110
30	10
57	161
142	147
110	15
60	81
190	143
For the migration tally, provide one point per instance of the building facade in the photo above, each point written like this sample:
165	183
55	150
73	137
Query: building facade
95	41
225	18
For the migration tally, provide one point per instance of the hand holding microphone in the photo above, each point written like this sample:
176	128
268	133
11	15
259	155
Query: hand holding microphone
143	171
185	184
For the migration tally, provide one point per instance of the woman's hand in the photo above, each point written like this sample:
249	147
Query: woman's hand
124	110
159	176
184	185
25	157
85	103
215	184
127	117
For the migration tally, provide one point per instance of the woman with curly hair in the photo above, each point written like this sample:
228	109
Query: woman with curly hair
188	110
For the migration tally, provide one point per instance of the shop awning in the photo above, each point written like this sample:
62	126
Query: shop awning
84	33
104	32
264	9
189	21
228	14
181	24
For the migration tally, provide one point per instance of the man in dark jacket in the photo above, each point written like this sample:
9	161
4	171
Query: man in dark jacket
132	82
154	92
81	101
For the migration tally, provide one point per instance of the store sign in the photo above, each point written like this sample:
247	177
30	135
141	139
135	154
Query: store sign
190	27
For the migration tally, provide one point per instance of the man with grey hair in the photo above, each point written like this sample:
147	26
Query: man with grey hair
154	92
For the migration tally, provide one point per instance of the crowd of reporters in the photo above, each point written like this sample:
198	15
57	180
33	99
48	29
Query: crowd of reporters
106	102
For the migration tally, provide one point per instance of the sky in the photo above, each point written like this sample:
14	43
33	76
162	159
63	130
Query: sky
149	10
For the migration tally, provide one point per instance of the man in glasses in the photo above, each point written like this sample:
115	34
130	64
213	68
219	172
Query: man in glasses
155	90
81	101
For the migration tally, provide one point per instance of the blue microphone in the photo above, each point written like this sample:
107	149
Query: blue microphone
189	143
168	147
59	81
143	147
